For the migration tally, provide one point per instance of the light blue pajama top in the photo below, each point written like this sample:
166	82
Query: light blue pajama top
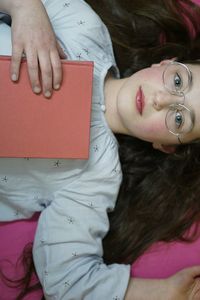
73	196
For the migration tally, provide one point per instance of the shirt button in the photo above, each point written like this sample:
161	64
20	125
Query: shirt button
103	108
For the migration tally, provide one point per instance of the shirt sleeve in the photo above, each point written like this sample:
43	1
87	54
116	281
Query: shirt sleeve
68	247
5	44
68	250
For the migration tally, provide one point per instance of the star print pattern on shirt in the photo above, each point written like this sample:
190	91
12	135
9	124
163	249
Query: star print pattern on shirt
66	4
86	51
116	171
4	179
70	220
73	195
81	22
96	148
78	56
67	284
57	163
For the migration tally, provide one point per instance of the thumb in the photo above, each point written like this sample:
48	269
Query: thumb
192	271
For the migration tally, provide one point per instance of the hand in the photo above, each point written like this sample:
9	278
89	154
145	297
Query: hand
32	34
184	285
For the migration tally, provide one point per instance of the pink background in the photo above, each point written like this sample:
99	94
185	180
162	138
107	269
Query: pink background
160	261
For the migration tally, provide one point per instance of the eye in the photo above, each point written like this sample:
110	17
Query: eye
178	81
179	119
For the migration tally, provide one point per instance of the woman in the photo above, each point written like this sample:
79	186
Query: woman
164	39
165	68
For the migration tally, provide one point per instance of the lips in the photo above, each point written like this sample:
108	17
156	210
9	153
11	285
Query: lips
140	100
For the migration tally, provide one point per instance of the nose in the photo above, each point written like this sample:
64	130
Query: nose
163	99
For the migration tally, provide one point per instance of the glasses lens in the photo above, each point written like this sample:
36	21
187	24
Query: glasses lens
176	78
179	119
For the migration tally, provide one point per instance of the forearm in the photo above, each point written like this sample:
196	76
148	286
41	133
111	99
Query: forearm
142	289
10	6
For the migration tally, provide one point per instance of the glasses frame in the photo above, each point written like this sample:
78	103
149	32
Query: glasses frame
179	94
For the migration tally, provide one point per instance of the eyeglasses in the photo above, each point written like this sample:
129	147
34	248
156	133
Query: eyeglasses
177	79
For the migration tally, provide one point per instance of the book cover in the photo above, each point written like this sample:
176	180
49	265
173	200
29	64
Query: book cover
36	127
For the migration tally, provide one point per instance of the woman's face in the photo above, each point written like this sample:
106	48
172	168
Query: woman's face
143	103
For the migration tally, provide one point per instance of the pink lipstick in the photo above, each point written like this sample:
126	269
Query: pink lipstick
140	100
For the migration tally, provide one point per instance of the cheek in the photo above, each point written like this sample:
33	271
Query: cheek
154	130
150	76
157	127
156	122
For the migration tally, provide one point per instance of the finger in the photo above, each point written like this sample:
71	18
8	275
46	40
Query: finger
192	271
61	52
56	69
15	63
195	271
46	74
195	291
33	71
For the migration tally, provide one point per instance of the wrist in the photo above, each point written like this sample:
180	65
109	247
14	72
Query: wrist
12	6
8	5
142	289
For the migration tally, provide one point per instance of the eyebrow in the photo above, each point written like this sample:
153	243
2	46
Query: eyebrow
195	141
193	118
193	115
191	82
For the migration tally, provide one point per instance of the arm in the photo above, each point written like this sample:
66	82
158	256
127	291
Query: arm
68	257
68	253
184	285
32	34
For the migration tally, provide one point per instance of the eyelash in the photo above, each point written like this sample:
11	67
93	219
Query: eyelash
177	76
179	114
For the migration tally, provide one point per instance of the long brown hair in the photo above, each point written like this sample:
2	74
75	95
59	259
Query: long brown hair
159	197
145	32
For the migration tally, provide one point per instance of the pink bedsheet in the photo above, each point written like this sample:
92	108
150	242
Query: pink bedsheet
14	236
160	261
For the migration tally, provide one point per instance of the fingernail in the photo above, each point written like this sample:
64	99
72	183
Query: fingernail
14	77
57	86
37	89
47	94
